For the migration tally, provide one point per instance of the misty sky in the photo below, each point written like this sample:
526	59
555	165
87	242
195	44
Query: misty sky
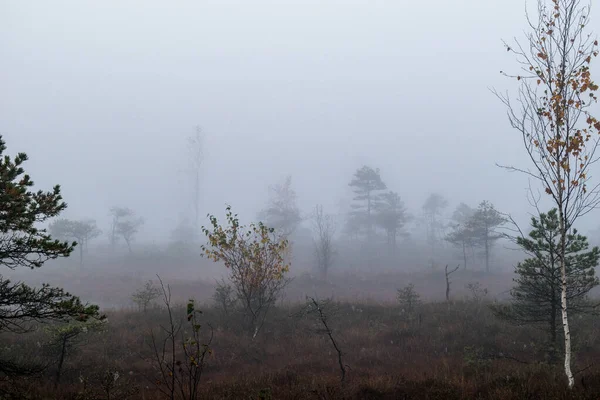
102	95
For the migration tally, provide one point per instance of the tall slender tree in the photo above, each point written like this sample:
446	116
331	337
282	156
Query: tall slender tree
483	228
553	115
323	230
433	210
461	235
367	186
391	216
195	145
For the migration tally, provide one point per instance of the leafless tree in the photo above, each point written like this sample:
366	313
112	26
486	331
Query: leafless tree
180	356
317	307
448	273
195	145
324	229
552	113
433	209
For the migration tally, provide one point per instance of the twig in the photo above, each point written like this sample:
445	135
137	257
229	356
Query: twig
323	319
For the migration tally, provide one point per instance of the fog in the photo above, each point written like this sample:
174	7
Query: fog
103	95
370	138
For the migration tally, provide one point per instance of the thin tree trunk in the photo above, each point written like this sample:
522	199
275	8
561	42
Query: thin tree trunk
563	296
448	273
447	285
433	223
196	205
113	236
464	246
369	226
553	332
487	254
61	360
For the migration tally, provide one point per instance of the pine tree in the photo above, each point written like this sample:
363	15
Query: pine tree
536	296
391	216
483	226
367	186
24	244
462	235
82	231
433	209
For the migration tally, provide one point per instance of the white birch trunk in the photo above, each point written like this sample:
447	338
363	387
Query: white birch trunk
563	300
565	321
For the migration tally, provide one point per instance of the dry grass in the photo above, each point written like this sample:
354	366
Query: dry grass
443	351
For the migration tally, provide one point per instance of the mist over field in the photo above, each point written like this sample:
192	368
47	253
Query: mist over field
368	135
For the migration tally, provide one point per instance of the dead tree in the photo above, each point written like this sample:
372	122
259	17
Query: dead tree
324	229
323	319
195	145
448	273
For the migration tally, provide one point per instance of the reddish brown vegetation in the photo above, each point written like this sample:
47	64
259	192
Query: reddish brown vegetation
443	351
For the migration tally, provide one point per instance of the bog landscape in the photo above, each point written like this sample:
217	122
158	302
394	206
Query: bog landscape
299	200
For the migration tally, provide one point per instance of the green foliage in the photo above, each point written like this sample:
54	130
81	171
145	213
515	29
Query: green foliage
22	305
180	355
75	327
22	243
194	350
536	295
64	338
255	257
